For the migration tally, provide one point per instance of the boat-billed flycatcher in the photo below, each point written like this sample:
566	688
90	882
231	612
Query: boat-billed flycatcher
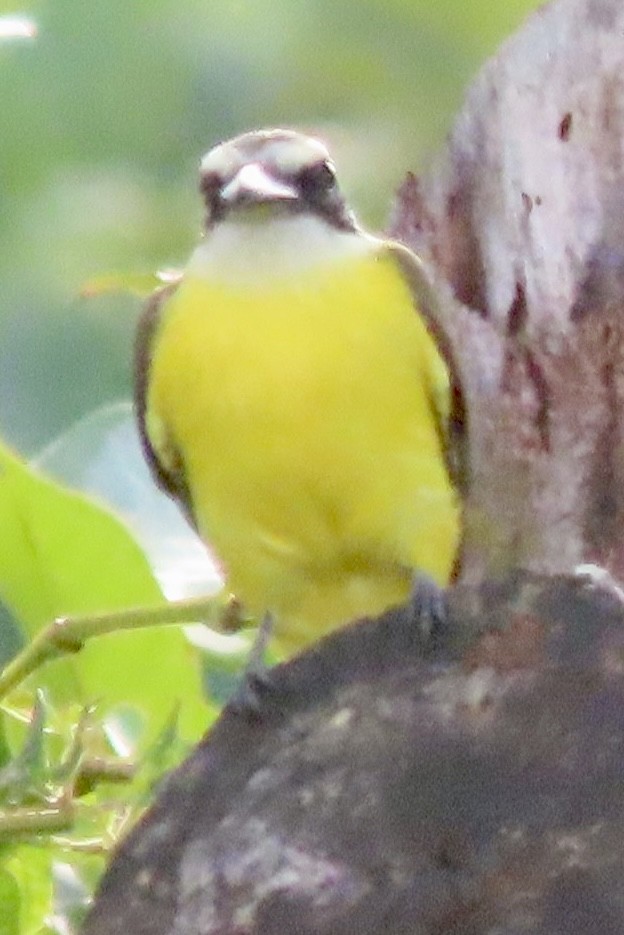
292	397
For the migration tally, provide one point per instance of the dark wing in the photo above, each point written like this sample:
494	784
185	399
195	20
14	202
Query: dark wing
450	414
166	464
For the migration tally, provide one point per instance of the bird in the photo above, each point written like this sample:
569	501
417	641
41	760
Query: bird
292	395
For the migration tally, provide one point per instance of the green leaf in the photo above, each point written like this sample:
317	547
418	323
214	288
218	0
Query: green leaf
70	556
9	904
101	455
5	752
31	869
21	772
11	635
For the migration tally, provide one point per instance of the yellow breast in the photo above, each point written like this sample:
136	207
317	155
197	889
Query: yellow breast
305	414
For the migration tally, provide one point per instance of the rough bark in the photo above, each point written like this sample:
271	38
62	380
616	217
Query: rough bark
469	785
523	223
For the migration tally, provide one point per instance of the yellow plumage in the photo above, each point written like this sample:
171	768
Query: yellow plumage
305	406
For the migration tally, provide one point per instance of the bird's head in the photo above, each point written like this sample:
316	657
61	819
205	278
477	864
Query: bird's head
272	172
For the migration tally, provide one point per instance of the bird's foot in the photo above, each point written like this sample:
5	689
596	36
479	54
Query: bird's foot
256	681
428	606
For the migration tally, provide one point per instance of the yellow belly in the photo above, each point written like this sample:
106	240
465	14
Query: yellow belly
305	417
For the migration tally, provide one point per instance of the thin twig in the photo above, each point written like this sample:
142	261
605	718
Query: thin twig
29	821
67	635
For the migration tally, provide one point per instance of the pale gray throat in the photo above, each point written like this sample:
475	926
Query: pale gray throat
252	252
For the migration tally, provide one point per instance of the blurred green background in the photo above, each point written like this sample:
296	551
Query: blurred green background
106	112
